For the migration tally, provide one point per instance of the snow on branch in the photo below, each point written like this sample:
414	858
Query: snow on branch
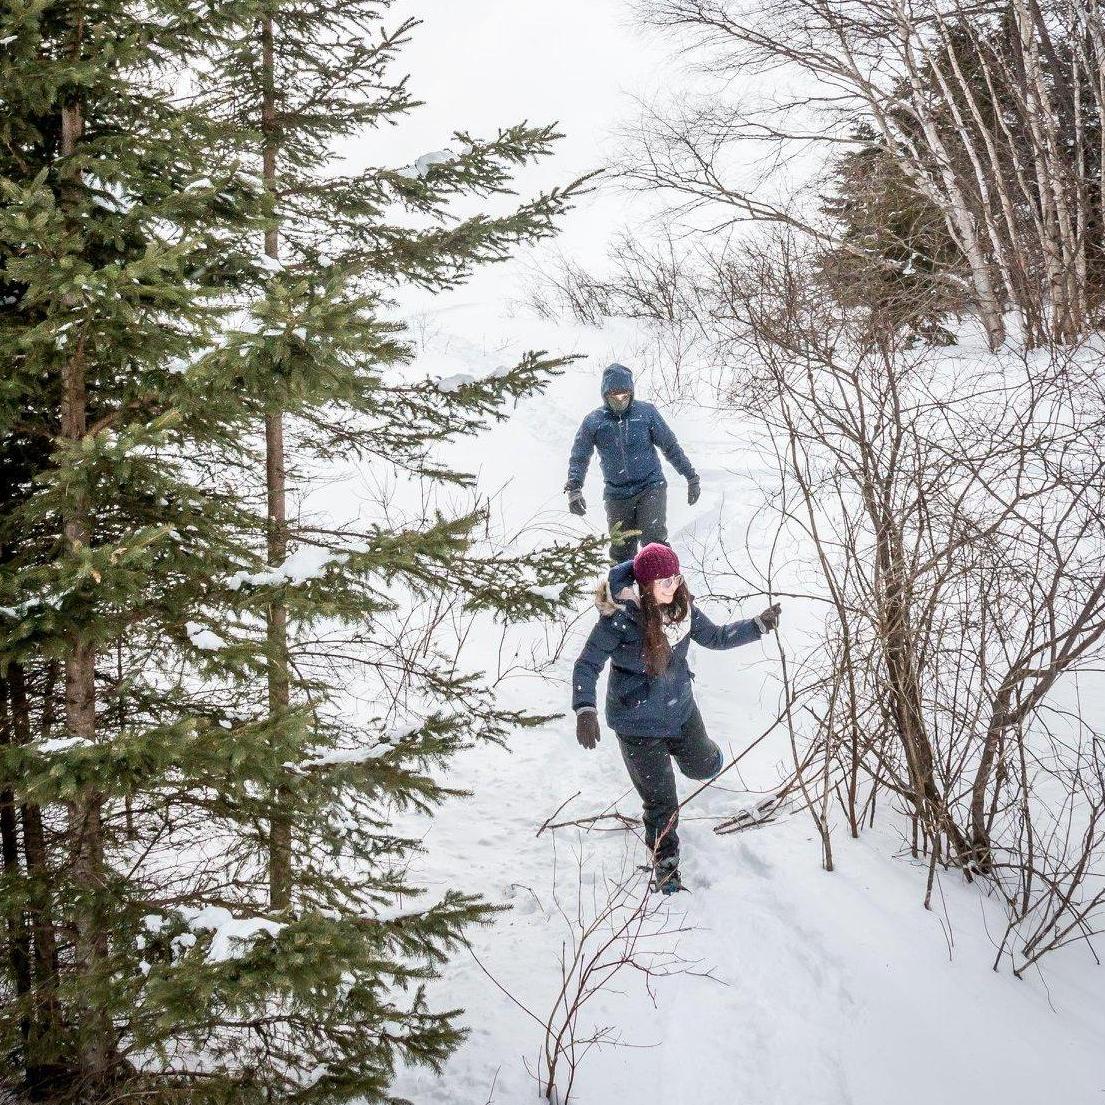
203	638
421	166
458	380
308	562
232	936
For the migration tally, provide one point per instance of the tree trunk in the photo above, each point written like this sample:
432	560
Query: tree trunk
85	829
43	931
280	841
907	707
19	942
995	730
902	147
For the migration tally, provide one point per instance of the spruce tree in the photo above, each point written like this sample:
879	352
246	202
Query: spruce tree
201	878
107	283
895	251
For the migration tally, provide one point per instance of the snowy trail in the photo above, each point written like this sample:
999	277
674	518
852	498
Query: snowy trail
823	991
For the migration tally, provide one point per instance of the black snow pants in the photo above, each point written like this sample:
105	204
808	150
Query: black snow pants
649	763
647	512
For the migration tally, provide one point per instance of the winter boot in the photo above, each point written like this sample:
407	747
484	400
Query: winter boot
665	876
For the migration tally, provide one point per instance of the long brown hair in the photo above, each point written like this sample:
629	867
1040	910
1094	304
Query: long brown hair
657	651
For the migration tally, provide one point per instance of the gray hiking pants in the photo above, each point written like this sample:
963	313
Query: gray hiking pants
649	763
647	512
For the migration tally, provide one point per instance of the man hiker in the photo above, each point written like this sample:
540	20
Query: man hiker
627	431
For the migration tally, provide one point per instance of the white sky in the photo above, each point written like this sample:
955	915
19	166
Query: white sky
482	64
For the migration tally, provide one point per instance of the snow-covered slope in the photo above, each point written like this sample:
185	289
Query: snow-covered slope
793	984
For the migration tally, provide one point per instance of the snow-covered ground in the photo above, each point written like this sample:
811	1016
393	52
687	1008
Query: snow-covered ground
800	985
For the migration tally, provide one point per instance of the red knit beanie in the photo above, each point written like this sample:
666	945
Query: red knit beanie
653	562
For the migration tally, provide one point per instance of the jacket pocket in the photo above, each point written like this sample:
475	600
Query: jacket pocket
634	691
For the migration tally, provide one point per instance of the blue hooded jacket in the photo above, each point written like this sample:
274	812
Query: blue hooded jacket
637	705
626	442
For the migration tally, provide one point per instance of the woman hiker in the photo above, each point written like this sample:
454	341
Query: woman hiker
647	622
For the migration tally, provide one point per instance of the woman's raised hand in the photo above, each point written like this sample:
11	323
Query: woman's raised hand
769	619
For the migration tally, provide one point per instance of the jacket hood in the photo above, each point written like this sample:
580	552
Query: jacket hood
616	377
618	587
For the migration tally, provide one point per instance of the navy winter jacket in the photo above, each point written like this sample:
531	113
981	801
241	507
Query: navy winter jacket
637	705
626	443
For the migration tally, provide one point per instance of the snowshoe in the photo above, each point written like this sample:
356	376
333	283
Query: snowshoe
758	814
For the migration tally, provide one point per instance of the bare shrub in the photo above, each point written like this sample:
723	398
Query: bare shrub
954	504
610	925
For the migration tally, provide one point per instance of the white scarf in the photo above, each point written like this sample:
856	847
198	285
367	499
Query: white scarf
676	631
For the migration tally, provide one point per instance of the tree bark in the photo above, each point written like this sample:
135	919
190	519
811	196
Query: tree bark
19	941
85	827
34	853
280	842
896	636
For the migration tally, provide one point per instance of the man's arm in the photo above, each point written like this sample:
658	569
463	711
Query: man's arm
665	441
580	458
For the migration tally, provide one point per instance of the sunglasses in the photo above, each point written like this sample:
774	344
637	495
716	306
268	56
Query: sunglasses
671	581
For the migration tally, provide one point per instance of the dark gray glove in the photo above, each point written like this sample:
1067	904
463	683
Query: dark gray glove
694	490
576	504
587	728
769	619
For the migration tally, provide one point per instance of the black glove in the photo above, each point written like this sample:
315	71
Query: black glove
769	619
694	490
587	728
576	504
